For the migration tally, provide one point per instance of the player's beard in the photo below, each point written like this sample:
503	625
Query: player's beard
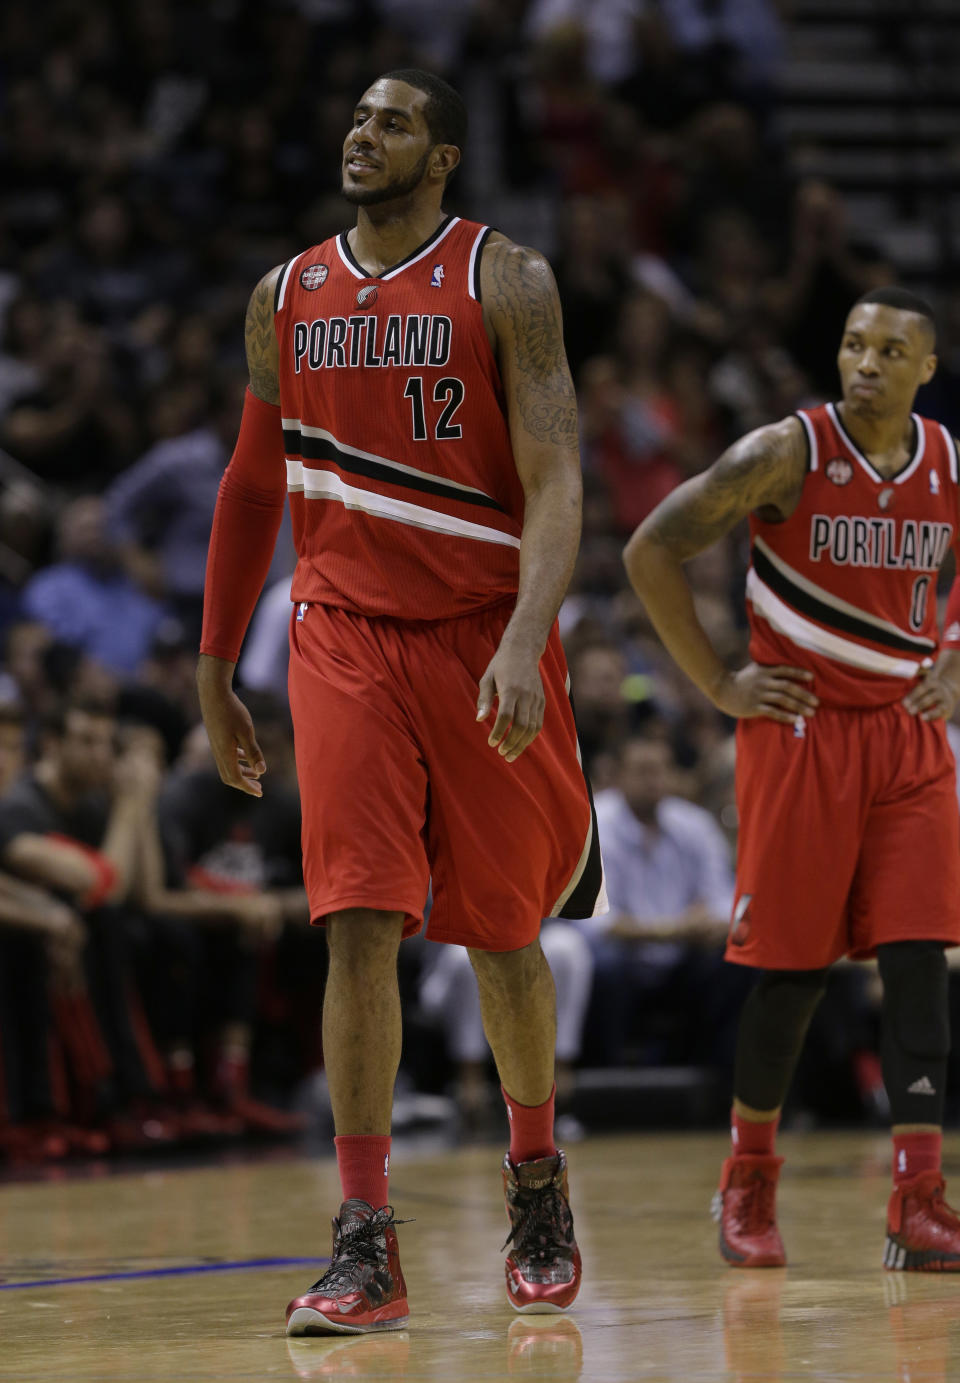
390	192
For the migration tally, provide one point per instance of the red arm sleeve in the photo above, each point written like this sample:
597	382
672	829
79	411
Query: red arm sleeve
245	526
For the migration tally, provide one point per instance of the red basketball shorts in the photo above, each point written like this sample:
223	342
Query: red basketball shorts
849	838
399	786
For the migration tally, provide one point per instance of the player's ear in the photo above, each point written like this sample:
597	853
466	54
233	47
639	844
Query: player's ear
929	369
446	157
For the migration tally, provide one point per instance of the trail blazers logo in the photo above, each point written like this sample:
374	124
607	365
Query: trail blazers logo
367	295
313	276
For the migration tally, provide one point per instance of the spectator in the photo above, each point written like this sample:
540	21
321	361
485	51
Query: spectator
670	886
224	877
71	827
158	512
87	600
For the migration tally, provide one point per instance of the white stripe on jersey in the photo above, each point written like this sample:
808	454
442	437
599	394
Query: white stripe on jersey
473	259
806	634
951	446
316	484
286	278
811	440
828	598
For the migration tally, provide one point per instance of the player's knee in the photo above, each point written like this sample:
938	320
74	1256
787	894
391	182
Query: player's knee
784	1001
915	1004
364	937
508	972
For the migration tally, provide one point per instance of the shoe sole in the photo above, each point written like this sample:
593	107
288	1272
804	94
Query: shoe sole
897	1258
305	1321
539	1308
739	1260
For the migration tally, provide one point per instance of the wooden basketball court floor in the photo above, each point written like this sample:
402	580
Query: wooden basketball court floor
185	1273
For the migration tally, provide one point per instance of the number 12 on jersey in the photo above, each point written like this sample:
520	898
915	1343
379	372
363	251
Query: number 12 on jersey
449	392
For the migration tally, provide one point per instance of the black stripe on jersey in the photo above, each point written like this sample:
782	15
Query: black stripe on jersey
583	900
807	604
276	291
476	263
400	263
322	449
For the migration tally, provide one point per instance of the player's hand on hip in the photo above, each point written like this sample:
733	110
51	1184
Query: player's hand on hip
780	693
934	697
512	679
238	757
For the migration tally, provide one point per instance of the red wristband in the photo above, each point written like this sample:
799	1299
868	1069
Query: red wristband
105	870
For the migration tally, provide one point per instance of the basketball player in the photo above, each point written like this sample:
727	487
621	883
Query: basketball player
849	832
408	387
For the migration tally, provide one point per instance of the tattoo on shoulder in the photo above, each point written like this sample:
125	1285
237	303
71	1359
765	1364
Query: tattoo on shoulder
260	337
764	470
520	293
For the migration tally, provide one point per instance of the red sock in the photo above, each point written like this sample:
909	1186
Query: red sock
363	1160
752	1139
914	1153
531	1129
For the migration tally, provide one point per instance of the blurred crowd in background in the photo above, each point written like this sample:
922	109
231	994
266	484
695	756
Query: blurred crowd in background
158	981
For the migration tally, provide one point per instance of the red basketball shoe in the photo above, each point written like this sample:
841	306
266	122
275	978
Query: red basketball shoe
363	1288
923	1232
745	1208
543	1266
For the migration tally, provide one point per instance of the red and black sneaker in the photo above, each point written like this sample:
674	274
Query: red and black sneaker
363	1288
543	1266
745	1206
923	1232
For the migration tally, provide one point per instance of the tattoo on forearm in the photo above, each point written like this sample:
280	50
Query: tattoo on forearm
765	468
520	290
261	342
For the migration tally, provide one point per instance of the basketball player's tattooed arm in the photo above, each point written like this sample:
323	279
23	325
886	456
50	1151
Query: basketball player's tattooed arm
762	472
233	741
522	310
260	339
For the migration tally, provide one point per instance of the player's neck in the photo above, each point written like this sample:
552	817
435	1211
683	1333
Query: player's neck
385	235
885	442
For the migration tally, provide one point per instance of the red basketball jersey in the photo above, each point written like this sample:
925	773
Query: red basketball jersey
404	494
846	586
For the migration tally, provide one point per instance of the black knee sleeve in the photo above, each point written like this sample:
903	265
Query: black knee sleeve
773	1024
916	1029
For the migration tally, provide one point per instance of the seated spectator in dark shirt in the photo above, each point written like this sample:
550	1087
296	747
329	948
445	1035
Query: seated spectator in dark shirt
225	876
70	830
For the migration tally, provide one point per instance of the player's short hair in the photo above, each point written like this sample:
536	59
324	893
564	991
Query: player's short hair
904	301
444	112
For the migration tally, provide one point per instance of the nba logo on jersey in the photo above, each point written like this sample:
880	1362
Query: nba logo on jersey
301	611
437	280
799	728
934	483
313	276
